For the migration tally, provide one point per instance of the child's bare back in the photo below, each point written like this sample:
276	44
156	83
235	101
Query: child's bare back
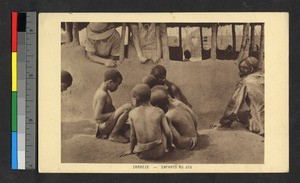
147	123
150	133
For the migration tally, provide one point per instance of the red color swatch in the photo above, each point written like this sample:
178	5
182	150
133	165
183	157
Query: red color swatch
14	31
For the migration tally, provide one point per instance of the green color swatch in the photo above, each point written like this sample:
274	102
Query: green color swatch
14	115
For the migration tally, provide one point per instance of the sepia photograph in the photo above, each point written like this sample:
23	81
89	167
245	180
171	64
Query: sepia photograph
169	92
164	94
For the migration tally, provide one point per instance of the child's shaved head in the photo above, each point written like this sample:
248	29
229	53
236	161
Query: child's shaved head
159	87
142	93
160	99
150	81
113	74
66	80
159	71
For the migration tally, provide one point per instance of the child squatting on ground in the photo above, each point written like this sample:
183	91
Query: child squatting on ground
111	122
182	121
150	134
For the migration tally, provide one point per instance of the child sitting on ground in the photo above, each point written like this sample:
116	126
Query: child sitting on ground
150	132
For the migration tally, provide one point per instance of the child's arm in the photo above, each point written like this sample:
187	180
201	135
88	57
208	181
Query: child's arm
179	95
167	131
133	140
95	58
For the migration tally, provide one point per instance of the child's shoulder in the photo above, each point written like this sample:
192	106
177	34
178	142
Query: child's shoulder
173	86
134	110
156	110
101	93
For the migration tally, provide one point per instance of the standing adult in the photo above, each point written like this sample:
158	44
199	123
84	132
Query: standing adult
146	41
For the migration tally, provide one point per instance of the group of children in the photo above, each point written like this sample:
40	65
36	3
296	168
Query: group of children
160	118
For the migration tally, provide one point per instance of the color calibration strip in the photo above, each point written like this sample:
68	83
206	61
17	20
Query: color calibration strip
14	117
23	90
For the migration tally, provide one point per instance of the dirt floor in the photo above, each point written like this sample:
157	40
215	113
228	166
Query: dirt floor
208	85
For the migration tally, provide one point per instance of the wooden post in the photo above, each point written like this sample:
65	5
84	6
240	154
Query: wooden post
244	51
252	37
233	38
68	32
122	45
75	32
164	40
201	40
180	42
262	48
213	52
180	37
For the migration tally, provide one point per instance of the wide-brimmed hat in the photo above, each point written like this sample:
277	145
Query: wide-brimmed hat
99	31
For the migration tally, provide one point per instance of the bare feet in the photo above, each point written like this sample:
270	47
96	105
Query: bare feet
118	138
170	148
215	126
126	153
256	128
155	59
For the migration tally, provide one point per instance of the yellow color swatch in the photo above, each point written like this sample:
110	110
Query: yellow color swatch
14	70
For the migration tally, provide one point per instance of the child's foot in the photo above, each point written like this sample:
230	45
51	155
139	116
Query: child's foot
118	138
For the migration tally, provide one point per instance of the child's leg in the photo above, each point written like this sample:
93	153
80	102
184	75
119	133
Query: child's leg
180	142
121	122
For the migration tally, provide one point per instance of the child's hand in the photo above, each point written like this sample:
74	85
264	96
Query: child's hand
110	63
142	59
193	143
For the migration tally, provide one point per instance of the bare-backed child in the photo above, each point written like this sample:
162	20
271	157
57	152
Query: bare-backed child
183	125
150	132
110	121
160	73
